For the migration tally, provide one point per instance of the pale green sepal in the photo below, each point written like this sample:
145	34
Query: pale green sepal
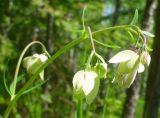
91	96
129	79
41	75
122	56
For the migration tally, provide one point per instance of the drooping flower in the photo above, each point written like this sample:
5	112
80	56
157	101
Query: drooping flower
129	64
86	84
32	64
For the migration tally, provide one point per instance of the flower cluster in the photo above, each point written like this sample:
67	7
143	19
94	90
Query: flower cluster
86	82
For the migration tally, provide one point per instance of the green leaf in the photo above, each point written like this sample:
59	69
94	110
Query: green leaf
147	33
83	18
6	87
106	45
131	35
35	86
19	78
135	18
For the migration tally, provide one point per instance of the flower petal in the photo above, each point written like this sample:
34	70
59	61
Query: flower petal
141	68
122	56
78	80
129	79
89	82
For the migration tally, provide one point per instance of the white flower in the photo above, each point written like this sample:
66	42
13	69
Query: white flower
84	80
32	63
86	84
129	65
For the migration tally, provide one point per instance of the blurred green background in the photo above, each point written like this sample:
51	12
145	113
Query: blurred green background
55	23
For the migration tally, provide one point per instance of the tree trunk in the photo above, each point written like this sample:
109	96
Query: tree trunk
153	83
132	92
130	103
116	12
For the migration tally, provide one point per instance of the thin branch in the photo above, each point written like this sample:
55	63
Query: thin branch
90	37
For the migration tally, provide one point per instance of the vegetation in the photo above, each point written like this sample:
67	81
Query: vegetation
79	59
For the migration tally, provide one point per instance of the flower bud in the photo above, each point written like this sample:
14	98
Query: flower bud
101	69
145	58
86	84
32	63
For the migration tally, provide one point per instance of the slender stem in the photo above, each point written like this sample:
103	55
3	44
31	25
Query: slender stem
105	105
79	112
30	81
90	37
89	60
19	63
99	57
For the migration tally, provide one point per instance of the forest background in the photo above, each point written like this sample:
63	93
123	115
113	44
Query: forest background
56	23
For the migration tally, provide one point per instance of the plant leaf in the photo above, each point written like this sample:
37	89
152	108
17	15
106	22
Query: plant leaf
19	78
122	56
6	87
147	33
35	86
131	35
135	18
106	45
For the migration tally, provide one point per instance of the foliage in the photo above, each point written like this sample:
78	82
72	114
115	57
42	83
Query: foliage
24	21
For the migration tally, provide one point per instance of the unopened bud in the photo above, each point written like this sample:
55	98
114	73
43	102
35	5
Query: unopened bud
32	63
101	69
145	58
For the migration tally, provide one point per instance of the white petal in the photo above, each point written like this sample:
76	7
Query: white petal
122	56
43	57
78	80
89	82
141	68
88	85
148	59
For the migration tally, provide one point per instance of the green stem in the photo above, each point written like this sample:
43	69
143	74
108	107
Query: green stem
105	105
19	63
79	112
99	57
30	81
91	39
89	60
